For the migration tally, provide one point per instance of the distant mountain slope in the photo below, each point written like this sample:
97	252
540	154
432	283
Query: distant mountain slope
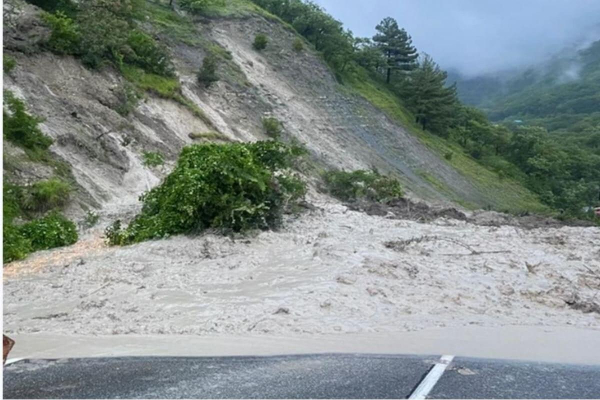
561	94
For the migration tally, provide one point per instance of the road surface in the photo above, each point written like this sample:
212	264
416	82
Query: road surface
297	376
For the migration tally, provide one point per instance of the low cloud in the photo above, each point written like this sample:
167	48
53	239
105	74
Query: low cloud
480	36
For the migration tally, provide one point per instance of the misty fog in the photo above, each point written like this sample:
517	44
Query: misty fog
480	36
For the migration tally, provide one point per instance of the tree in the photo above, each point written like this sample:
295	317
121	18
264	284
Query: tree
367	54
396	46
432	102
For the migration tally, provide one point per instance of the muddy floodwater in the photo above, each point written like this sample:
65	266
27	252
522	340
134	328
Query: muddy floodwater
329	271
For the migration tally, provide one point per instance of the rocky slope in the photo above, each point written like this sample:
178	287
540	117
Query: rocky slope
103	147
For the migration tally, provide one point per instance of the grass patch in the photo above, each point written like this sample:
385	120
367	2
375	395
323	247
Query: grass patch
47	195
8	63
209	136
170	24
166	87
153	159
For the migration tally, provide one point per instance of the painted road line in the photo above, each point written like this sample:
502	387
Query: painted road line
12	360
431	378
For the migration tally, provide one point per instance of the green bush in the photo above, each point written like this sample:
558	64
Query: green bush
260	42
65	37
153	159
48	232
272	127
235	187
8	63
46	195
15	246
349	186
12	196
147	54
298	45
22	128
208	73
91	219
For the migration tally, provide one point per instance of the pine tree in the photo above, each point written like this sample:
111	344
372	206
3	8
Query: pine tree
397	48
432	102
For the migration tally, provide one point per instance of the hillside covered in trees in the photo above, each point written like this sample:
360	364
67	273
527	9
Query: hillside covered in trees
561	169
559	103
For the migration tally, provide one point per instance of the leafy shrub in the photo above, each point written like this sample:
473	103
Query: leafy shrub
260	42
349	186
272	127
47	195
8	64
236	186
11	201
298	45
208	73
22	128
91	219
15	246
65	37
153	159
148	54
53	230
48	232
448	155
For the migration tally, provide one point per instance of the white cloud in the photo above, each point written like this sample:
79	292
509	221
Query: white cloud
478	36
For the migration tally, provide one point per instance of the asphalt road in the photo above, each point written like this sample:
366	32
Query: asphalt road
304	376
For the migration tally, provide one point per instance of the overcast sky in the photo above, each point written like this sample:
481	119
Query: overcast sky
478	36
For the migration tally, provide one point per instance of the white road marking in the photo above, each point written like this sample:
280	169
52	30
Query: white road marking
431	379
13	360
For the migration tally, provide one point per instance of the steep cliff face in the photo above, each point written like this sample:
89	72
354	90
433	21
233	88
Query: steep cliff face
104	147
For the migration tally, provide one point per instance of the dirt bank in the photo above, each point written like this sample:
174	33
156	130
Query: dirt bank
332	270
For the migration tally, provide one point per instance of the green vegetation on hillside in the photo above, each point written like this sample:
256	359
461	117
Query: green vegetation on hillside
413	89
232	186
25	226
153	159
356	185
260	42
552	119
24	203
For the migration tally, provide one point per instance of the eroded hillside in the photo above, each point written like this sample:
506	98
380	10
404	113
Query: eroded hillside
82	111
